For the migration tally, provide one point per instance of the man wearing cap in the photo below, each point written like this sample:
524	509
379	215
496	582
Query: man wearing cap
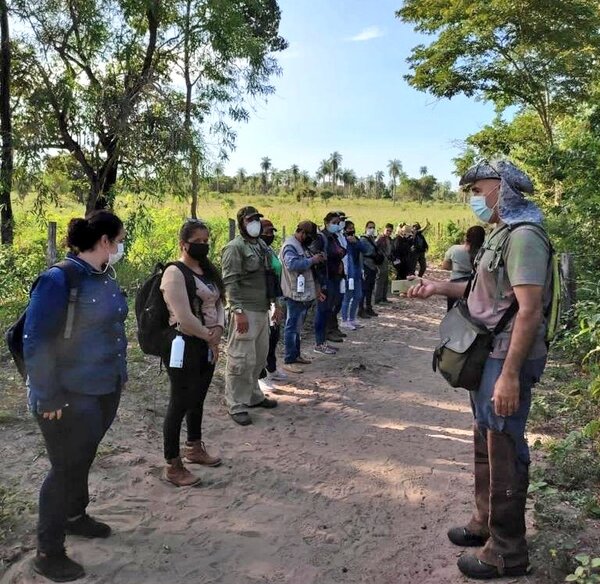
300	288
246	272
271	373
512	276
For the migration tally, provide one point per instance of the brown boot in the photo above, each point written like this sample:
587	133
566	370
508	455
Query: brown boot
507	546
195	453
178	475
476	532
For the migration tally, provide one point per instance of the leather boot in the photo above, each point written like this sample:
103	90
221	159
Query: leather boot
476	532
195	453
506	549
178	475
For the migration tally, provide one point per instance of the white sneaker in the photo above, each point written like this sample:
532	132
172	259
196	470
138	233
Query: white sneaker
355	324
277	375
266	385
346	324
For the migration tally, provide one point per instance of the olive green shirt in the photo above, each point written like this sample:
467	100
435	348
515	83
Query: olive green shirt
244	275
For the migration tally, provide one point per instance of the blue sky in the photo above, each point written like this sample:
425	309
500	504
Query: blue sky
342	88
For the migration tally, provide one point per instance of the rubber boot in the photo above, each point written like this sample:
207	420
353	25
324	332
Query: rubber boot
507	547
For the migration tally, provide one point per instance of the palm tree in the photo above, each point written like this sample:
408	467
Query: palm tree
423	170
295	172
240	177
324	170
336	161
348	178
395	171
379	176
265	165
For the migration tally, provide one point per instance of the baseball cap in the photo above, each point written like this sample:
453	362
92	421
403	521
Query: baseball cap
267	224
247	212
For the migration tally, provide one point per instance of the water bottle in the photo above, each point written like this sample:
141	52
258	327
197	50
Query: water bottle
177	350
350	283
300	284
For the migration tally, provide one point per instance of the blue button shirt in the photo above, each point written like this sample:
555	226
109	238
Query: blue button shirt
93	361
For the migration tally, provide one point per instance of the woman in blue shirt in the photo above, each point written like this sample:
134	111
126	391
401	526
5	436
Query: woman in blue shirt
74	384
354	277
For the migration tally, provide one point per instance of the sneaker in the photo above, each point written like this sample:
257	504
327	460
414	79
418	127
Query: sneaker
346	324
265	384
371	312
324	349
293	368
303	360
334	338
57	567
277	375
331	348
356	324
86	526
362	313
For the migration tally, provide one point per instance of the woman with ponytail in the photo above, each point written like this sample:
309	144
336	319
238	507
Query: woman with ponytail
200	317
75	354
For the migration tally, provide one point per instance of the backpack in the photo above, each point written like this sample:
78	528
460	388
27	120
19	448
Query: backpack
378	257
151	311
14	333
553	311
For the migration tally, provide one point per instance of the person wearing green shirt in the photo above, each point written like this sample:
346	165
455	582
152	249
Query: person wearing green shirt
248	279
271	374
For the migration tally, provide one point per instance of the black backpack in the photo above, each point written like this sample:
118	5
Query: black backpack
14	333
151	311
421	244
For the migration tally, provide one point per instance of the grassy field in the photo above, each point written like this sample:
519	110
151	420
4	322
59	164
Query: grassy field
152	228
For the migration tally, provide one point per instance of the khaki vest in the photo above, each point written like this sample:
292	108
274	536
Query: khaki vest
289	278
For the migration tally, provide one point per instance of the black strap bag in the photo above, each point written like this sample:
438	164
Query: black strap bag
466	344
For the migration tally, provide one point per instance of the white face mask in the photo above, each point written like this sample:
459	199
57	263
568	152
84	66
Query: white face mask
371	231
113	258
253	228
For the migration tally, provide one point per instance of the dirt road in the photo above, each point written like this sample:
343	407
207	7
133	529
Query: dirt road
354	478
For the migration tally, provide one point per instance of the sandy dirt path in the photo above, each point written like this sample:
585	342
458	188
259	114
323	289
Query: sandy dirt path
354	478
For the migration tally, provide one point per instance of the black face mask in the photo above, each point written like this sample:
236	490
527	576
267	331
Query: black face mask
268	239
198	251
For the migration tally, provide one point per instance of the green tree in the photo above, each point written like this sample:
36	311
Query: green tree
265	166
295	173
6	157
240	178
348	178
423	170
335	161
325	170
395	171
533	53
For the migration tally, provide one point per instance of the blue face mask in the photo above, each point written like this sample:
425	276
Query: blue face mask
480	208
333	228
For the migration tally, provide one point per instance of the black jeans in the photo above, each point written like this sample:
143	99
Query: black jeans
370	276
274	336
189	387
71	443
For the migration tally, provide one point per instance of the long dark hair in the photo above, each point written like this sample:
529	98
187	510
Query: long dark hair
475	237
84	233
210	270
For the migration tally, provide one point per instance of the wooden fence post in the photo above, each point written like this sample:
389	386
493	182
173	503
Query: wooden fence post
231	229
51	244
283	238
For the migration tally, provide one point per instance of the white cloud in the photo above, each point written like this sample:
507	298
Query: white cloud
368	34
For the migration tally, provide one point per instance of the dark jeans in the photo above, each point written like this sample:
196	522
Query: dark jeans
189	387
422	263
401	271
71	443
274	336
370	276
326	313
296	314
336	299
